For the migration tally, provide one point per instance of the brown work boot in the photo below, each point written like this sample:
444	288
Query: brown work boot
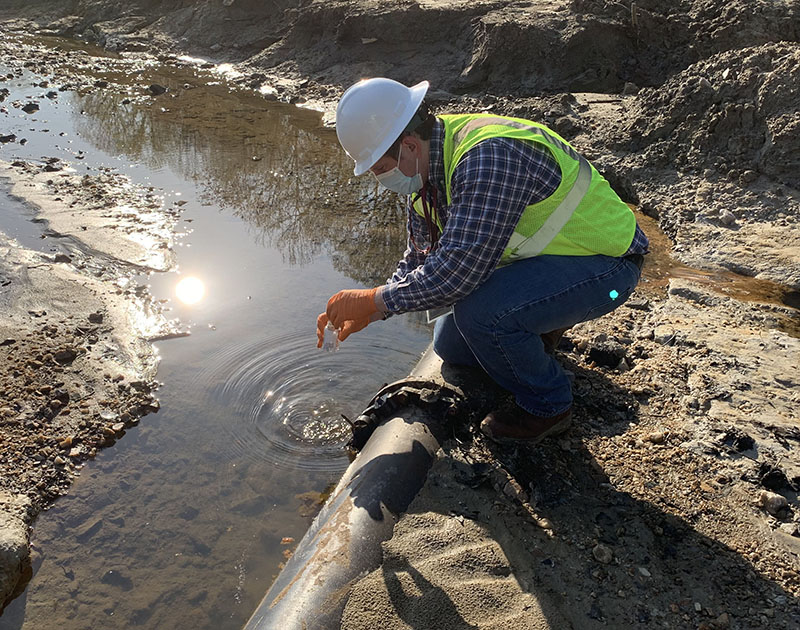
551	339
517	425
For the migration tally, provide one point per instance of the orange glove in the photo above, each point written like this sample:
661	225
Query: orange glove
357	305
352	326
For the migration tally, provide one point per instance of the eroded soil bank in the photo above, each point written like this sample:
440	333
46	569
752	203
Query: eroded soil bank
673	501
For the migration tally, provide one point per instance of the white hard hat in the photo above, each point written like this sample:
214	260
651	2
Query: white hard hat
372	114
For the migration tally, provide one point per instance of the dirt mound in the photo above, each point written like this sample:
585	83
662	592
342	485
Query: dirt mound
736	110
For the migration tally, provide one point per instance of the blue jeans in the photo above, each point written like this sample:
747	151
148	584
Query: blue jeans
497	326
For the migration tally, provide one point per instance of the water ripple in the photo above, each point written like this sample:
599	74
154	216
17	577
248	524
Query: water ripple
283	399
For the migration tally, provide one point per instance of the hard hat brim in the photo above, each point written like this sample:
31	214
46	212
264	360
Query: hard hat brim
418	92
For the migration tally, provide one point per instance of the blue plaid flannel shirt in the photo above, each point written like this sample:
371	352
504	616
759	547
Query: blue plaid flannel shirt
492	185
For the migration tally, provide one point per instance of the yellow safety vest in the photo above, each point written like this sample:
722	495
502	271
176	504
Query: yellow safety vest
583	217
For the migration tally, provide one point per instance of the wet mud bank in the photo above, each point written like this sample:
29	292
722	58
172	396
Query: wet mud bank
674	499
76	369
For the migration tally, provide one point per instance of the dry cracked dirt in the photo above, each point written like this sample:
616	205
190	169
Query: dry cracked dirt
673	501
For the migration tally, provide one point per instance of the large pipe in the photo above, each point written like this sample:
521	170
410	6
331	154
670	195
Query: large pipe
344	541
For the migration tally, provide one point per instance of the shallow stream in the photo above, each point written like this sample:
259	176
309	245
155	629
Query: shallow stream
181	523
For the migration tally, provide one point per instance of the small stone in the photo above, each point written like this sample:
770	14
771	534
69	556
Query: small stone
722	621
96	318
66	442
156	89
727	217
65	355
602	554
62	258
748	177
698	607
118	427
29	108
790	529
656	437
663	335
60	461
772	502
287	540
75	452
644	572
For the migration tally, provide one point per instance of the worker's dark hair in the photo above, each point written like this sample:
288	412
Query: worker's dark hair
421	125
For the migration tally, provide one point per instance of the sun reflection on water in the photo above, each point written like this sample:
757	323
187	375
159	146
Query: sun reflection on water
190	290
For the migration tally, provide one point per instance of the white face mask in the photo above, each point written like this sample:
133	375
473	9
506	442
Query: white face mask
397	181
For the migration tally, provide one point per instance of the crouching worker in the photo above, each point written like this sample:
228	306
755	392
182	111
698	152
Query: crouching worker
508	225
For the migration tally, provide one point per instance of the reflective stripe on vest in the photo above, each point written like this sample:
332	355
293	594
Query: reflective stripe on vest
528	246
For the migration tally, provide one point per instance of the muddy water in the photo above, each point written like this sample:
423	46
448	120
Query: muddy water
660	266
180	524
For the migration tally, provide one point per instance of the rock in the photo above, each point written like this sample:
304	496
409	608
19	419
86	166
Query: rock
14	553
62	258
65	356
118	427
727	217
602	554
9	138
656	437
156	89
638	304
59	461
772	502
664	335
644	572
29	108
96	318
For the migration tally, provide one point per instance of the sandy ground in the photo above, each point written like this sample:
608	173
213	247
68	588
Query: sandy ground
673	500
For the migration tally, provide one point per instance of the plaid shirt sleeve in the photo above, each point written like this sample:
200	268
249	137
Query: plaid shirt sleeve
491	186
